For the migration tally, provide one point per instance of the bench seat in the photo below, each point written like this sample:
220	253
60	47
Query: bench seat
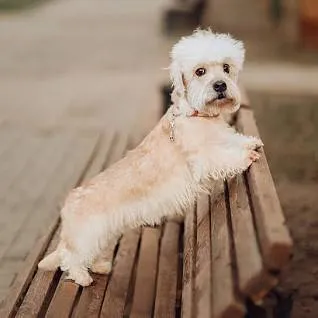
229	249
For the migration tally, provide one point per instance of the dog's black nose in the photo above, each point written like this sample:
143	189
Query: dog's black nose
219	86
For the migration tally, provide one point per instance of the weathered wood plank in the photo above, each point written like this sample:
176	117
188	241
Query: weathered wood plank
61	306
145	285
189	259
253	279
117	290
203	277
224	302
166	294
274	237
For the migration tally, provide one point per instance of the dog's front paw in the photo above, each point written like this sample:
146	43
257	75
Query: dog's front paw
250	157
254	143
254	156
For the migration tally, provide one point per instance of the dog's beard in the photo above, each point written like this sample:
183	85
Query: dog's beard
205	100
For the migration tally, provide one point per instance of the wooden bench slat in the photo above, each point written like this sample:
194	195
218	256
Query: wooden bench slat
145	285
91	299
117	290
189	263
224	302
275	240
62	303
166	294
203	277
253	279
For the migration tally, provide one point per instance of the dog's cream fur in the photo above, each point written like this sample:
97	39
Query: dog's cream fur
160	178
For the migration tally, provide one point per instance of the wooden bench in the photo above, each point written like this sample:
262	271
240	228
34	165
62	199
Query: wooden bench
228	252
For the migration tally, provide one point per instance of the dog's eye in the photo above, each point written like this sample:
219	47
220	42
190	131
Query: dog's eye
226	68
200	71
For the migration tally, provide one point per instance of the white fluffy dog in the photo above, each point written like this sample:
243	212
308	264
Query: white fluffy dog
190	147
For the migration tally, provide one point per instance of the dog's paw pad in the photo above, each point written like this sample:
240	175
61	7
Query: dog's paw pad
255	143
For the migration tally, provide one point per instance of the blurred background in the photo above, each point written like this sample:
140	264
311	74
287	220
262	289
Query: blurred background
71	69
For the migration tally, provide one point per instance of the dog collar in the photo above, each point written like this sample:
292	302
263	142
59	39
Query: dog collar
195	113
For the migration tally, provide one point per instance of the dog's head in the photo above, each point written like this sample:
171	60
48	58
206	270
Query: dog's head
204	70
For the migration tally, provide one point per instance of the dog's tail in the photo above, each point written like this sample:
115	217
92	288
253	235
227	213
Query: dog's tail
51	262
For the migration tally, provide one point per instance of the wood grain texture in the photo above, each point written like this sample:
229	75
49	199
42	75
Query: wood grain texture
224	301
61	306
274	236
117	290
166	294
145	285
203	278
189	259
253	279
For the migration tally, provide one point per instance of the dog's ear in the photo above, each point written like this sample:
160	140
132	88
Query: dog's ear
176	78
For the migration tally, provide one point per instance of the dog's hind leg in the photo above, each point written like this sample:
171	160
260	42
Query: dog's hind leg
80	276
103	262
75	264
